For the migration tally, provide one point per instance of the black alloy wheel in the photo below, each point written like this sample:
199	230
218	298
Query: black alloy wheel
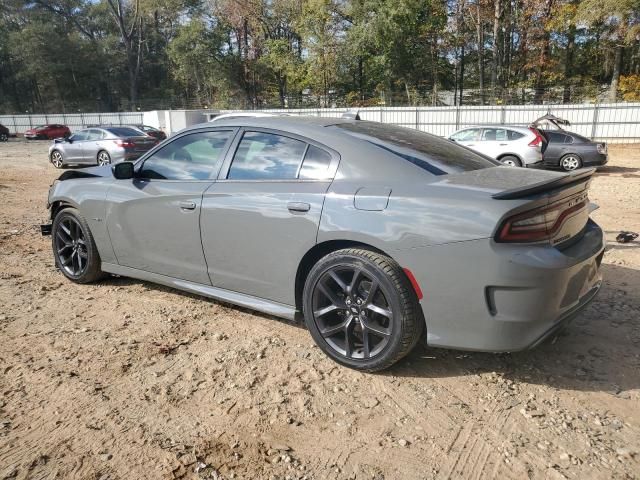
361	309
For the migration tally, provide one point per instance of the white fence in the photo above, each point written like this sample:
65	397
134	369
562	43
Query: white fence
75	121
614	123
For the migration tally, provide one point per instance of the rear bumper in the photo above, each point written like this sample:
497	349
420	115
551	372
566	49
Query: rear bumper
597	159
484	296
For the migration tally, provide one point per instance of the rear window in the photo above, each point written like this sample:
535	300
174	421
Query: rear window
124	132
433	154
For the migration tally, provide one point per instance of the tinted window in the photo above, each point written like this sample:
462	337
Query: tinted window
555	137
197	156
436	155
268	156
466	135
513	135
316	164
124	132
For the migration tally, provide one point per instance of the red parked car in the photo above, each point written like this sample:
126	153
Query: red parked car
47	132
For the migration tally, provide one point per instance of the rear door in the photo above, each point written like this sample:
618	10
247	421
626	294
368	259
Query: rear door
262	214
154	218
555	147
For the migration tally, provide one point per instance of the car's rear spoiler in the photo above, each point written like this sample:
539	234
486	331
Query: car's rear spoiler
568	179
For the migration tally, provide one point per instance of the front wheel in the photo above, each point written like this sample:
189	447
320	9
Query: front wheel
570	162
361	310
511	161
56	159
4	137
74	249
103	158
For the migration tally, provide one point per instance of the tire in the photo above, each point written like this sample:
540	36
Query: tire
570	162
56	159
103	158
74	249
339	321
4	137
511	161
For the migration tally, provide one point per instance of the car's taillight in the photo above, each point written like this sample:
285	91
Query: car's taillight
540	223
602	148
124	143
538	141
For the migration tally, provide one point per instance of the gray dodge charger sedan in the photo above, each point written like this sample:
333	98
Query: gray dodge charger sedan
375	234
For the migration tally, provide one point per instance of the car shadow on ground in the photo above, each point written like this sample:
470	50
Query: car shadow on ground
614	169
598	351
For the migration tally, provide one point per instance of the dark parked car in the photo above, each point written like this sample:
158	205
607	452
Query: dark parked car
373	233
47	132
151	131
4	133
568	150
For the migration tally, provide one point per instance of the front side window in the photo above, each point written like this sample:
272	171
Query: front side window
196	156
95	135
468	135
80	136
266	156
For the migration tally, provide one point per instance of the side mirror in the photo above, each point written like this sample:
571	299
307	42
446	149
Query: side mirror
59	140
122	170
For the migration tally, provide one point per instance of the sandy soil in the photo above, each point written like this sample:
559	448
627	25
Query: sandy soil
129	380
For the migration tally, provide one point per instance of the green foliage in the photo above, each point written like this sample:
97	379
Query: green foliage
69	55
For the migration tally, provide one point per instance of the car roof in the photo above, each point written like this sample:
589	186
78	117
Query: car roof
510	127
294	124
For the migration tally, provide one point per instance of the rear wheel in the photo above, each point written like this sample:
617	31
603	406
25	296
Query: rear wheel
570	162
56	159
511	161
74	249
103	158
361	310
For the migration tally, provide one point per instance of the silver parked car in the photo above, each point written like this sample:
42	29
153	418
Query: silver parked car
375	234
100	146
513	146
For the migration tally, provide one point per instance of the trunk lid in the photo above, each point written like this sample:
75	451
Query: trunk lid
561	197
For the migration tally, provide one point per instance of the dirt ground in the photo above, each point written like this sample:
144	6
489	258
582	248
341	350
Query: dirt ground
129	380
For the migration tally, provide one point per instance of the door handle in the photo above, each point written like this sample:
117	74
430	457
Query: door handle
503	144
298	207
188	205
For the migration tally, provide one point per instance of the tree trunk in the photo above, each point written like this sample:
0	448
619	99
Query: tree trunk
495	60
568	64
480	40
615	78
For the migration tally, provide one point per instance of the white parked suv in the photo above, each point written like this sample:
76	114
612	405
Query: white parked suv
514	146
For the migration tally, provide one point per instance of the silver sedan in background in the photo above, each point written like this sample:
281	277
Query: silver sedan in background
513	146
100	146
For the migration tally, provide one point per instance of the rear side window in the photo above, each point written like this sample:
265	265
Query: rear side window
556	137
197	156
316	164
124	132
433	154
266	156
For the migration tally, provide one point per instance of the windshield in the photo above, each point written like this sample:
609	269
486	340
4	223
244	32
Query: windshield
124	132
433	154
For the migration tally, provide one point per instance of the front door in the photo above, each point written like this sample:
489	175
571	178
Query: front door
154	219
73	149
261	217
